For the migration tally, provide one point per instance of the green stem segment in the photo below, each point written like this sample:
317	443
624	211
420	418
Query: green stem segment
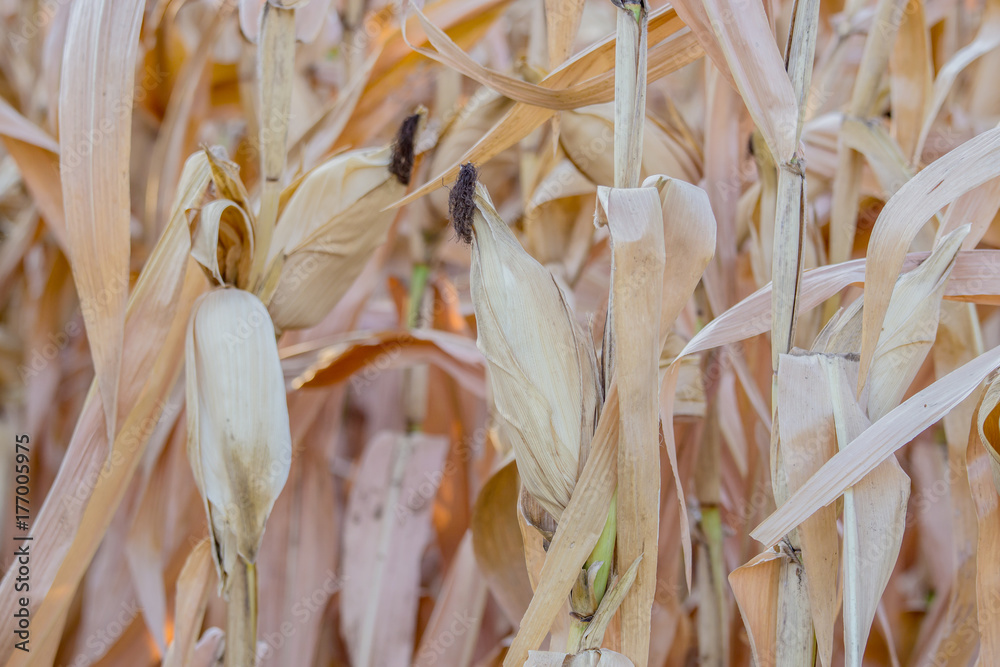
241	619
418	283
415	377
604	553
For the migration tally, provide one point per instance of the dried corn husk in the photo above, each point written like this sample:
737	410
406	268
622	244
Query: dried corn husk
223	242
542	368
332	222
239	443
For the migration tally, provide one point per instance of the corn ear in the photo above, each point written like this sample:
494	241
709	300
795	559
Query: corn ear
330	226
542	368
239	442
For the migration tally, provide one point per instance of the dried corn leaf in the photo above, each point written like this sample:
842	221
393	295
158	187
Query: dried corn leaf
496	539
755	587
15	126
600	657
977	208
578	531
758	70
360	358
968	166
808	439
522	119
874	518
223	242
452	631
876	444
596	89
562	21
631	353
276	66
910	79
972	279
151	357
983	481
388	527
95	104
987	38
193	586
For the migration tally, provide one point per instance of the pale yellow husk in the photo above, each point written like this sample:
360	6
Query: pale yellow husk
239	443
328	229
543	373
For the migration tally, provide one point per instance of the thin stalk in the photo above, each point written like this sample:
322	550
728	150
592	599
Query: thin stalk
630	91
241	618
415	377
794	631
276	67
418	283
712	635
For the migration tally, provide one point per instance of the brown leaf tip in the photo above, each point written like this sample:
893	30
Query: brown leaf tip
462	201
401	164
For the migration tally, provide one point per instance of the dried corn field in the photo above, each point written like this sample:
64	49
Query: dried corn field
499	332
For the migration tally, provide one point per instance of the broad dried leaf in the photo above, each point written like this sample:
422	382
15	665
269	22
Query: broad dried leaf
968	166
95	104
388	527
874	518
875	444
496	539
193	586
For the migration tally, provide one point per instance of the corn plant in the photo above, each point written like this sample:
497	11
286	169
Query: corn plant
499	332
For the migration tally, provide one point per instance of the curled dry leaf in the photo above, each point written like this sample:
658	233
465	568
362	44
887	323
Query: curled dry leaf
631	353
988	422
496	539
223	242
98	75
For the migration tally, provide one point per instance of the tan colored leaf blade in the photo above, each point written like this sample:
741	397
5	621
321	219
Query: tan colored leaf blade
984	492
755	587
874	519
95	103
635	219
807	440
578	531
383	542
193	586
968	166
758	70
496	539
877	443
152	356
